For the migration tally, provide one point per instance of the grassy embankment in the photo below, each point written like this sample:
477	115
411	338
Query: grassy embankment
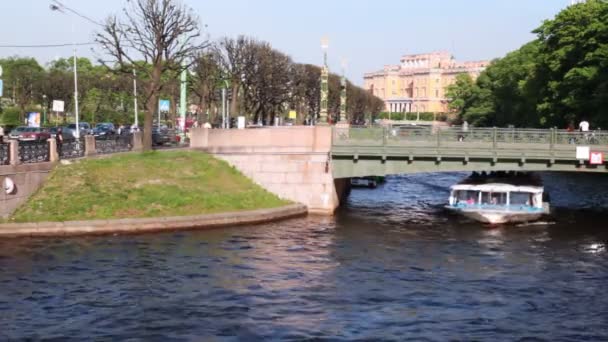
150	184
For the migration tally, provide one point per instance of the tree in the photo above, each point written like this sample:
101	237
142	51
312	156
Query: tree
574	65
22	79
162	32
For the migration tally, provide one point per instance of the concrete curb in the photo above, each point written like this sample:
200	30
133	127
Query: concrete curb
147	225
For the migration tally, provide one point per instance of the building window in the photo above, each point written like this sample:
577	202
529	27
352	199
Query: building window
436	92
416	92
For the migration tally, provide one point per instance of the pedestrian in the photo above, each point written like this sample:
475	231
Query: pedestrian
465	130
207	125
59	140
1	134
584	126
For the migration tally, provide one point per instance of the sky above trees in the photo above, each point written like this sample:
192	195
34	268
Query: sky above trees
368	34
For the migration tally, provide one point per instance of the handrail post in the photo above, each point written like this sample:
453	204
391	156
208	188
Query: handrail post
385	132
494	133
552	139
438	136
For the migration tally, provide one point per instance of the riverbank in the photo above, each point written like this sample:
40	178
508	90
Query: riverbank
150	225
143	185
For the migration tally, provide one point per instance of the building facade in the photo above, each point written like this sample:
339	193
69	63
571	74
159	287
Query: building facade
419	82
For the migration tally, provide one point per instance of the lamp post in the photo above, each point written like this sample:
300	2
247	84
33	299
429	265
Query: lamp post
43	109
343	117
324	83
60	8
135	97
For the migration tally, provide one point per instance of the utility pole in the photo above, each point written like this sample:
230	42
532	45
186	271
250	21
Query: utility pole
324	83
183	98
135	98
223	107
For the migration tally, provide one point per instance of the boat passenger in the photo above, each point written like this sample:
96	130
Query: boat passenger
471	201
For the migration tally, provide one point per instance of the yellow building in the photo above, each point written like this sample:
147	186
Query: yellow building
419	83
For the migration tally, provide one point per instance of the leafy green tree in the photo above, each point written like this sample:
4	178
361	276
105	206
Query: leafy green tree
574	48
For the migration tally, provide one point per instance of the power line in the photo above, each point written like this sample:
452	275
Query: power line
46	45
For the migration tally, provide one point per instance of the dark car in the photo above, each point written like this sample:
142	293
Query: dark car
160	136
65	133
104	131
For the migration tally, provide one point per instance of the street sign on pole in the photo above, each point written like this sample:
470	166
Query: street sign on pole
164	105
58	106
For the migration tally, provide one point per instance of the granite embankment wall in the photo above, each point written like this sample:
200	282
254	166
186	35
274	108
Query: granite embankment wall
291	162
27	179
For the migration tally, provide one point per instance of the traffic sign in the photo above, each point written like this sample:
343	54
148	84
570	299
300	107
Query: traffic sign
596	158
164	105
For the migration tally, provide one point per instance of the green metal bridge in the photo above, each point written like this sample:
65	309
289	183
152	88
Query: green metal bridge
358	152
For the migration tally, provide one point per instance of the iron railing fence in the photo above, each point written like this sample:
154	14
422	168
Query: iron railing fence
4	154
72	149
122	143
457	137
33	152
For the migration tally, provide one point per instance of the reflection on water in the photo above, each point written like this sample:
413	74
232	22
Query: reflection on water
392	264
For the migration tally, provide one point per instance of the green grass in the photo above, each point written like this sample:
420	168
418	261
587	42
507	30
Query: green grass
152	184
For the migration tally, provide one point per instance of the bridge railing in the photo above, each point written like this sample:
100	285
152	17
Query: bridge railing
473	137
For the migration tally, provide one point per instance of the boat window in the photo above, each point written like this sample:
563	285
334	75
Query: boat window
521	198
494	198
467	196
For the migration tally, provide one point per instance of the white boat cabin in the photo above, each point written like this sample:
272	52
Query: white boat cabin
497	196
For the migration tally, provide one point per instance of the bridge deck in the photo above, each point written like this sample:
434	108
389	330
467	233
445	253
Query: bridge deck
428	149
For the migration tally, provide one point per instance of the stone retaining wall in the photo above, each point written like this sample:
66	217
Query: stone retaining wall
147	225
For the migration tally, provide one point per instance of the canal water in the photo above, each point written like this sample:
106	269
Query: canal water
392	265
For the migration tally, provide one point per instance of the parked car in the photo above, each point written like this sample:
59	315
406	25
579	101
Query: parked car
34	134
160	136
14	134
104	130
84	127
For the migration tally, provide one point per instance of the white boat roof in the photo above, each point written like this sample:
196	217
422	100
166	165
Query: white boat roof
499	187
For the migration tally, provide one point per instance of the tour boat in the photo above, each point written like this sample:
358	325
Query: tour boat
497	203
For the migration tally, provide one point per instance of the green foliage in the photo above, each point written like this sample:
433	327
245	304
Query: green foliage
150	184
423	116
10	116
559	78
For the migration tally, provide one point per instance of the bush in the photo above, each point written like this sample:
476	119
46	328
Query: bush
424	116
10	116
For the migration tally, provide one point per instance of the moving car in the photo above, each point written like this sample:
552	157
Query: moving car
104	130
84	127
34	134
14	134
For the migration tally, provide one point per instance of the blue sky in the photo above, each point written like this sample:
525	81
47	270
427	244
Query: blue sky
367	33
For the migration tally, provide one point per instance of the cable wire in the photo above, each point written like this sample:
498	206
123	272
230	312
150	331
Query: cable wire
45	45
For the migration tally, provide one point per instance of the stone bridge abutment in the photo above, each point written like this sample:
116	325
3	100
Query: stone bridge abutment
291	162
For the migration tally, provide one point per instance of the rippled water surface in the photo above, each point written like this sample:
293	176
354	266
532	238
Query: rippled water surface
393	265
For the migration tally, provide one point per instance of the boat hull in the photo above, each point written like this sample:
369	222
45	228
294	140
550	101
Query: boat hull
500	216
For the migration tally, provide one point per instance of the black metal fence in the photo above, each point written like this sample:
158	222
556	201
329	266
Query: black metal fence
33	152
71	149
4	154
120	144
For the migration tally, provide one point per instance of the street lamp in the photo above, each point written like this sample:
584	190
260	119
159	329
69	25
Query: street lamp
43	109
61	8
